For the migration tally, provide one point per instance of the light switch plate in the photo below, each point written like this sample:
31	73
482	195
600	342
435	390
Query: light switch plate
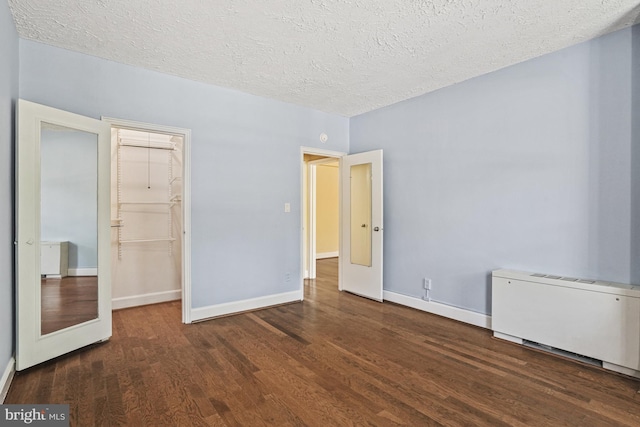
287	207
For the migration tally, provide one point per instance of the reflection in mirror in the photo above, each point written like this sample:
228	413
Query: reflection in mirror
68	227
360	214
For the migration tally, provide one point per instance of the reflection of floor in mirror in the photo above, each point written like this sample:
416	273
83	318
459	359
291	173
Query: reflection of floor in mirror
68	301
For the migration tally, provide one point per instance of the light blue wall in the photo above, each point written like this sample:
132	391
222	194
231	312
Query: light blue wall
525	168
635	157
528	168
245	161
69	193
8	95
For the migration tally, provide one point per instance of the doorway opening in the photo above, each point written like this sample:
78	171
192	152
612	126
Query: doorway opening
149	215
361	228
320	209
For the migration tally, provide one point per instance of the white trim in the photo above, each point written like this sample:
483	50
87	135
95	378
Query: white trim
186	199
323	255
455	313
151	298
311	234
235	307
621	369
304	252
7	377
186	226
82	272
321	152
507	337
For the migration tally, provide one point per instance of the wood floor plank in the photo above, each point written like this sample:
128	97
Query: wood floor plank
335	359
68	301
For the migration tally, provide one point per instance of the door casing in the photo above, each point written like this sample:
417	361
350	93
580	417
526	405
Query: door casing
377	156
186	198
307	252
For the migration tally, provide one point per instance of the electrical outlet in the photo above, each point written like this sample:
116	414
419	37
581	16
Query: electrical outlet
426	284
287	277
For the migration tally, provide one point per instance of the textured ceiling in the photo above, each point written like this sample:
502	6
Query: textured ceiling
339	56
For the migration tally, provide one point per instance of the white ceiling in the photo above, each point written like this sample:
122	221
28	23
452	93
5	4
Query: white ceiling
339	56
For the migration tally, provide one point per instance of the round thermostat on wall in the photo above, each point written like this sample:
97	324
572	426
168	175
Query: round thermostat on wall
324	137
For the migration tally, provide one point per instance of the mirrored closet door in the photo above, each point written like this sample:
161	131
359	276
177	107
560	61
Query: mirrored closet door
63	233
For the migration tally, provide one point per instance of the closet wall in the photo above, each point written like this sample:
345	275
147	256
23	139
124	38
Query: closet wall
146	217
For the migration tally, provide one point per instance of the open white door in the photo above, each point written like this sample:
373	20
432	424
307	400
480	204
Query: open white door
362	224
62	201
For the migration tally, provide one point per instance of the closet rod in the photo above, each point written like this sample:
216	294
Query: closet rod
126	144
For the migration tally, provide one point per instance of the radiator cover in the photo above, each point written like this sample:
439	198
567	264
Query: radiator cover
597	319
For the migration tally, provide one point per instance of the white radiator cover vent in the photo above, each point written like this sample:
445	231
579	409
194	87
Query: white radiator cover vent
593	318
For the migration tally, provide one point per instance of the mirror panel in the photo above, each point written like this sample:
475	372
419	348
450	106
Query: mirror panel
68	227
360	207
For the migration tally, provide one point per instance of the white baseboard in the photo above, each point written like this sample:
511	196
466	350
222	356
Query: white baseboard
323	255
217	310
621	369
507	337
7	377
152	298
82	272
444	310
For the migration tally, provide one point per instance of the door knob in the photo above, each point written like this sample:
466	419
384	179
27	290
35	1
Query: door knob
376	228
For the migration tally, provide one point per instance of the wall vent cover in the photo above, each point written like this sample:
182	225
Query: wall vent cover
568	279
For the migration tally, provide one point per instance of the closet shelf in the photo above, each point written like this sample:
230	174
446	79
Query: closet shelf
169	239
136	209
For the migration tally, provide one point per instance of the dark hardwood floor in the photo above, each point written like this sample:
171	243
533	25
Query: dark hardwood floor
68	301
334	360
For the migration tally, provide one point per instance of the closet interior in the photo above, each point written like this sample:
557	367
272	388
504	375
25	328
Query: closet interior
147	227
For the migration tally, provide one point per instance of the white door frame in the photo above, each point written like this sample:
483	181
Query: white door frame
311	188
186	198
